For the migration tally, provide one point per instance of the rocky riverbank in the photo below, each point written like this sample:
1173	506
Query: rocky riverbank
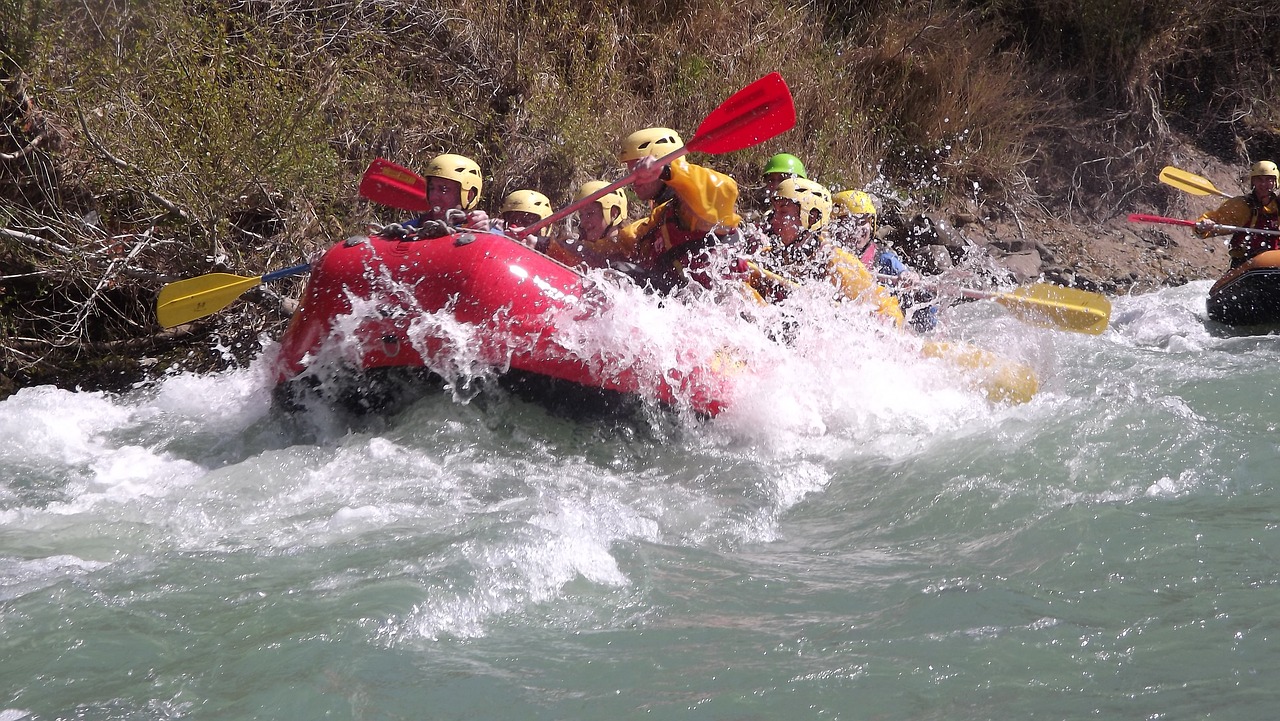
1106	254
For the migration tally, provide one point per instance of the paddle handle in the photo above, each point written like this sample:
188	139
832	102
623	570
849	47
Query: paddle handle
285	272
1141	218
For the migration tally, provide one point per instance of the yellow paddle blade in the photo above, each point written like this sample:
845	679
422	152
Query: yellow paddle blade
187	300
1189	182
1001	380
1053	306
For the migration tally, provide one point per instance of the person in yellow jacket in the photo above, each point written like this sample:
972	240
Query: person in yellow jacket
798	252
597	242
1259	209
853	227
694	209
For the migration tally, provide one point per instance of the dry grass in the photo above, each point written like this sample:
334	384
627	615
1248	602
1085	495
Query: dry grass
235	131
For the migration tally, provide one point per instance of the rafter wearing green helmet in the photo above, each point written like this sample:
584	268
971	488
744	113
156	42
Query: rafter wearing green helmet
780	167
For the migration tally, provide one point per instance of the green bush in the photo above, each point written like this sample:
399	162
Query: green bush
214	112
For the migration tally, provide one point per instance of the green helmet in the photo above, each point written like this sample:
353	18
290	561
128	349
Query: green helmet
787	164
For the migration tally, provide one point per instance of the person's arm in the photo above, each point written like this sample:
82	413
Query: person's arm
766	283
707	198
857	283
1235	211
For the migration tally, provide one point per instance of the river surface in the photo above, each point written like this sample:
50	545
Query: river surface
861	536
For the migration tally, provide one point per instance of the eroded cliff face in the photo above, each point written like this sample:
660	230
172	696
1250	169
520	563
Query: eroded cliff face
1097	249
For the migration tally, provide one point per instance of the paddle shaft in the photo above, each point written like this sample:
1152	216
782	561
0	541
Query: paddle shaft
898	281
286	272
1141	218
584	201
971	293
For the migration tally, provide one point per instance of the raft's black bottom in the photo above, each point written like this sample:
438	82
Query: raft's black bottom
388	391
1253	299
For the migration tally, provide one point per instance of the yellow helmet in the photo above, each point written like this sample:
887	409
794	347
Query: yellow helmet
1265	167
852	202
608	201
809	196
526	201
459	168
650	141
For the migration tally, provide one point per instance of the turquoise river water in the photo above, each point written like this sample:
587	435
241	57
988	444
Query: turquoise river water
861	536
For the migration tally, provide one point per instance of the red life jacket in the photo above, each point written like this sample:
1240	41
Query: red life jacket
1264	217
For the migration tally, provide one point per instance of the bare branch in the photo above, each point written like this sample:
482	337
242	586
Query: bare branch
25	151
35	240
168	205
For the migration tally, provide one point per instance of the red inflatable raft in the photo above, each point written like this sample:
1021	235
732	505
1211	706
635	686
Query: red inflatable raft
368	298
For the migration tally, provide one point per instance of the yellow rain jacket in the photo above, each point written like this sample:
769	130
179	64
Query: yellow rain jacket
1245	212
825	260
705	200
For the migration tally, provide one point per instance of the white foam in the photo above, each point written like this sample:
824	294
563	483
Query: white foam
531	565
226	401
49	425
23	576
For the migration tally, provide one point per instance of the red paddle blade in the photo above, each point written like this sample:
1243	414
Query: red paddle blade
762	110
1141	218
393	185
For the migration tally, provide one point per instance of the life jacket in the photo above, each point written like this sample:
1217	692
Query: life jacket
693	214
671	253
577	253
1261	217
812	257
784	266
668	232
804	259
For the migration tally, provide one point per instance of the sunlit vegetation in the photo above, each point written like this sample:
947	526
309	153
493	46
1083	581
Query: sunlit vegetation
147	141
